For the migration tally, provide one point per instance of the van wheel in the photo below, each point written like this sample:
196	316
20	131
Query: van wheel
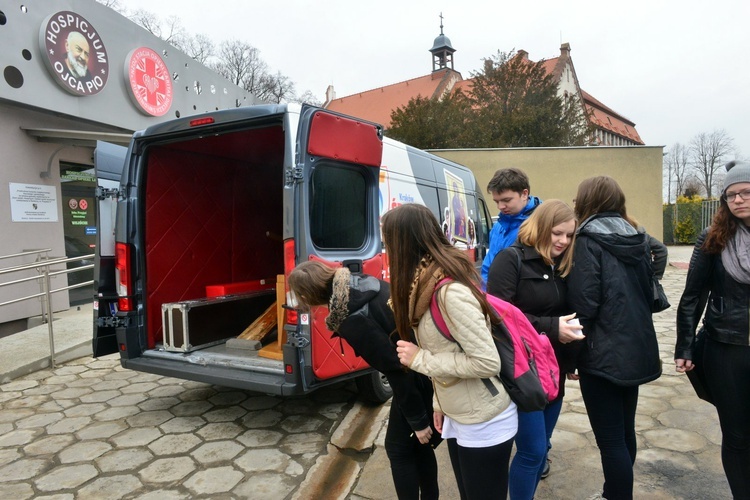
374	387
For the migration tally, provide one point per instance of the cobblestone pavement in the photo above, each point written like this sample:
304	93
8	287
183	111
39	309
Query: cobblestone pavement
93	430
679	440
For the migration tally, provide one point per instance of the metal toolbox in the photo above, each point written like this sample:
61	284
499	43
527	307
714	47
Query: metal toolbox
195	324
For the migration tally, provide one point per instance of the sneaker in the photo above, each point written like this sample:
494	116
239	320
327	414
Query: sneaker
596	496
545	471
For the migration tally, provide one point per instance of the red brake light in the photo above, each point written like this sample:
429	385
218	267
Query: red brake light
123	279
201	121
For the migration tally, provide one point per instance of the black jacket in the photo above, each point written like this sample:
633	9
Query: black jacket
727	318
368	329
610	289
536	289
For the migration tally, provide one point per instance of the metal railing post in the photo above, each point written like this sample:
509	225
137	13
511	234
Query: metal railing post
48	304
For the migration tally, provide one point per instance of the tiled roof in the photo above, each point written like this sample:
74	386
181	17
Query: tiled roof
376	105
608	119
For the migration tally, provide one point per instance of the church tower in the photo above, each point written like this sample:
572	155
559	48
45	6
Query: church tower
442	52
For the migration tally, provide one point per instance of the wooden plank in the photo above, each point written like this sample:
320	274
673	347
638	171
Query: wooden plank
272	351
280	313
261	326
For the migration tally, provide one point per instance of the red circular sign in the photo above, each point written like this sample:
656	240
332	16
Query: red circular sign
149	81
76	56
83	204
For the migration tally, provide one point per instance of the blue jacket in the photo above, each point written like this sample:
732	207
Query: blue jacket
505	232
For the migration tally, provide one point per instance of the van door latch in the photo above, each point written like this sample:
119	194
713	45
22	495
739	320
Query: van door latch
104	193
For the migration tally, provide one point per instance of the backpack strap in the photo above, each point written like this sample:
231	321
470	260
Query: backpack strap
437	316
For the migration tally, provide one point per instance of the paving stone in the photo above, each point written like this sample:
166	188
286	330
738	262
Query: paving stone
73	393
215	480
652	406
261	419
154	404
51	406
38	375
217	451
229	414
197	391
101	430
164	495
191	408
574	422
140	387
167	470
26	402
65	477
85	410
332	464
172	444
16	491
19	437
149	418
84	382
297	444
332	411
127	400
44	390
301	423
294	469
656	391
48	445
11	416
23	469
120	375
263	460
182	424
136	437
95	374
9	396
8	455
101	364
297	406
111	385
84	452
60	379
261	403
100	396
18	385
124	460
109	488
265	484
223	430
675	439
563	440
260	438
117	413
167	391
229	398
39	420
68	425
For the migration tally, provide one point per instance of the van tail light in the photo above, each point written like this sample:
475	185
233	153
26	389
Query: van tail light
289	263
123	277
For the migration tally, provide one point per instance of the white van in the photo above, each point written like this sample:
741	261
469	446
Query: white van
202	218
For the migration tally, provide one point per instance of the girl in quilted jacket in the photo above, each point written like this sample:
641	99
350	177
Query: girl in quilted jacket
359	313
478	421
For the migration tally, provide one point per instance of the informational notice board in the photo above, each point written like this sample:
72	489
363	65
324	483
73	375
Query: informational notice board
33	203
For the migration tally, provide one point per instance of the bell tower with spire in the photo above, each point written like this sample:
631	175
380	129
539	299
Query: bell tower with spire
442	51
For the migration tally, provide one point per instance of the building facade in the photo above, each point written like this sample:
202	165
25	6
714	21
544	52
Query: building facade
74	73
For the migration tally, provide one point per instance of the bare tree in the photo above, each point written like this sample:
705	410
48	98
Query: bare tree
198	47
708	153
677	170
115	5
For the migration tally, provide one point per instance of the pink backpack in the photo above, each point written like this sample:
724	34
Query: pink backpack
528	369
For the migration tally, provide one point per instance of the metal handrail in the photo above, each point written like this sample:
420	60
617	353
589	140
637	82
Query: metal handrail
43	267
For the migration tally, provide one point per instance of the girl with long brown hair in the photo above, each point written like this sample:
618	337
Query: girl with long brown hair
478	421
719	275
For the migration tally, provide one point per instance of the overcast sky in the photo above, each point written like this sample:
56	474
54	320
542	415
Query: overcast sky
675	68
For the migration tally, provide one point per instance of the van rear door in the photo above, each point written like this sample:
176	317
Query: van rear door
109	161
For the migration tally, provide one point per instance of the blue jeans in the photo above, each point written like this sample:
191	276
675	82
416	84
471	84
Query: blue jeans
532	443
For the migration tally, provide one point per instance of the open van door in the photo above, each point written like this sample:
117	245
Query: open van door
109	161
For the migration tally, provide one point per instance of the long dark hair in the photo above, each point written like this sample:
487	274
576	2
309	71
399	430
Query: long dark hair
601	194
410	232
723	227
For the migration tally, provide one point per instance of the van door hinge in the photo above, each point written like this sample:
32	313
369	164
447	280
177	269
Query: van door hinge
112	322
103	193
293	174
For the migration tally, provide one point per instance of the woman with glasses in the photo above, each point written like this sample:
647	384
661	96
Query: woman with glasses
719	274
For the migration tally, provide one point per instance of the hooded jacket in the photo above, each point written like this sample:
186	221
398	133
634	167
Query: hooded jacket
360	315
610	289
505	232
727	319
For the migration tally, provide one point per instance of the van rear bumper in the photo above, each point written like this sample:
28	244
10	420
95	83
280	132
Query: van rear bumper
267	383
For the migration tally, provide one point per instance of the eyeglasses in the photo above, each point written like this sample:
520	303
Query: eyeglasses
744	195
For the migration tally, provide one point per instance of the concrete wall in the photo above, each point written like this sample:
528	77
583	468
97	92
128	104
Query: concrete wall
556	173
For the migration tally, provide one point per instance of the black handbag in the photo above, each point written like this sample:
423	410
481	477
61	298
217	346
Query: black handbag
661	302
697	375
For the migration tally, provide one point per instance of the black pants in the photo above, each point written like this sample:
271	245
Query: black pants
413	465
611	412
481	473
727	369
